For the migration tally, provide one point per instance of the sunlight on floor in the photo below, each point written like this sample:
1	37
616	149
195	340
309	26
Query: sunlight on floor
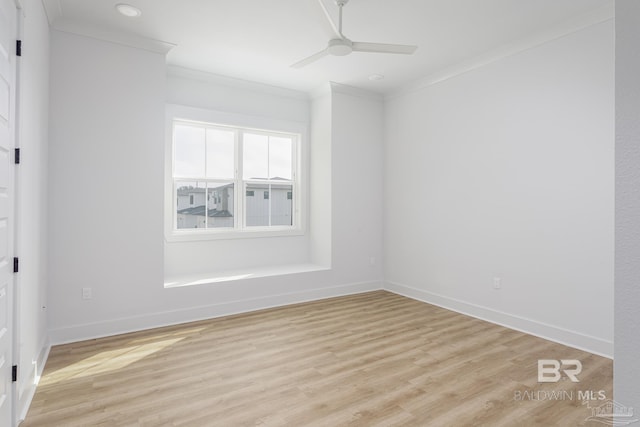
115	359
107	361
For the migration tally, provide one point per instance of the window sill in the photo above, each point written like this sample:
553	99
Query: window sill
192	236
243	274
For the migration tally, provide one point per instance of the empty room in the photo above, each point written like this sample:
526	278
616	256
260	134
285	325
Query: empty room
319	213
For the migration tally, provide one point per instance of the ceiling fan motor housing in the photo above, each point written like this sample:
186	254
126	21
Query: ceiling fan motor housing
340	47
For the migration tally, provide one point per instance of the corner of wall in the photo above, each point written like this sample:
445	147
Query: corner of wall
553	333
320	205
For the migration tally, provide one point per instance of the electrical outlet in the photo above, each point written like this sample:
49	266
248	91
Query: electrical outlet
372	261
86	293
497	283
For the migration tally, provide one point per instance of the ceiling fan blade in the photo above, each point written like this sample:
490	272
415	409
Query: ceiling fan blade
383	48
310	59
334	28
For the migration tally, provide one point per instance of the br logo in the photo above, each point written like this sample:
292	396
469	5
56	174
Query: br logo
549	370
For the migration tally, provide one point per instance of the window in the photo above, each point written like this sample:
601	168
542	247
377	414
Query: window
214	165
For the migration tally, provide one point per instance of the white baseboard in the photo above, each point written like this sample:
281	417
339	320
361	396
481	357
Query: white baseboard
24	401
154	320
563	336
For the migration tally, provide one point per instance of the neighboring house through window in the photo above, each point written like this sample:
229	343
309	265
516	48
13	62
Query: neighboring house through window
212	164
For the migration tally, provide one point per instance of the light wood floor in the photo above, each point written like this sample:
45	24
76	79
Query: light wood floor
374	359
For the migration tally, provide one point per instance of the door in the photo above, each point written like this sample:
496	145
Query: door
8	31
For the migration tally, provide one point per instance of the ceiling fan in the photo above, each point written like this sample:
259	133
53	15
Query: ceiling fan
340	45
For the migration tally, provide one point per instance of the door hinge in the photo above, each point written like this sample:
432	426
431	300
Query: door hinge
18	47
14	373
16	264
16	156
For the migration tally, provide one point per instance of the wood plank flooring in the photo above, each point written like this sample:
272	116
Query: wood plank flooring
373	359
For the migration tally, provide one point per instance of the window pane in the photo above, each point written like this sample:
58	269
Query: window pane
280	158
220	154
281	205
220	202
257	208
255	156
190	205
189	151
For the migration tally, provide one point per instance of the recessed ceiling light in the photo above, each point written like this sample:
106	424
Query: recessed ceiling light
128	10
376	77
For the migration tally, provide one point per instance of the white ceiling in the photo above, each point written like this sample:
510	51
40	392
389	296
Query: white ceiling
258	40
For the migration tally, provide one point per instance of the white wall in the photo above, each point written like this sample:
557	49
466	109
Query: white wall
106	163
627	268
356	174
507	171
204	90
31	243
107	135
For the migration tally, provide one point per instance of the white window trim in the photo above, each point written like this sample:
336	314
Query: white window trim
254	123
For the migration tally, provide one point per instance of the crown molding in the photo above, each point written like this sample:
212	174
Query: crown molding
580	22
151	45
57	21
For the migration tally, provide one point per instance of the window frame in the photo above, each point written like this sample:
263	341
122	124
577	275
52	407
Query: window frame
239	124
